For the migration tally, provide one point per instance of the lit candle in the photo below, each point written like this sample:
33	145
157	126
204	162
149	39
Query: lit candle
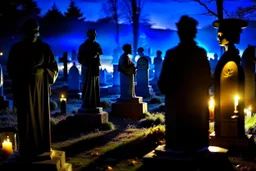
7	146
236	98
63	104
211	108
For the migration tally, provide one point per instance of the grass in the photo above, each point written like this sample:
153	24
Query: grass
250	122
123	151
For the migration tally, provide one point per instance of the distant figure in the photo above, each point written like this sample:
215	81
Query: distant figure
89	57
127	71
141	54
32	68
158	60
185	80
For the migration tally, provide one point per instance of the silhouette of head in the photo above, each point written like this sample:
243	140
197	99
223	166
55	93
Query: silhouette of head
187	28
91	34
140	51
30	29
159	53
127	48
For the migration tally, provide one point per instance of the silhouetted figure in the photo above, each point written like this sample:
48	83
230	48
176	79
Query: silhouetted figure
158	60
185	80
89	57
141	54
127	71
32	68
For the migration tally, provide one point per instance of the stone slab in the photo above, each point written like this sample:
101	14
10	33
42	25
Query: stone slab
229	142
93	116
129	108
206	160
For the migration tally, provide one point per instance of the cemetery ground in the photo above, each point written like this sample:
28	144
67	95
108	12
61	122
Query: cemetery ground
118	145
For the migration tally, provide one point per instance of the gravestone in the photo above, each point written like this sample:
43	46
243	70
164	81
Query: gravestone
158	61
115	88
229	88
142	87
74	90
65	61
103	82
248	63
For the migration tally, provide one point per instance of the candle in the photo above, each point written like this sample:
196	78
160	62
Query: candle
248	112
63	104
7	146
211	108
236	103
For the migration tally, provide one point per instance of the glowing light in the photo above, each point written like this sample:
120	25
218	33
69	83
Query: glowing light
211	106
1	53
248	112
217	149
236	99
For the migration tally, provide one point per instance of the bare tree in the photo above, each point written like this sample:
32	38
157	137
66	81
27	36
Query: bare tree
134	8
247	12
221	11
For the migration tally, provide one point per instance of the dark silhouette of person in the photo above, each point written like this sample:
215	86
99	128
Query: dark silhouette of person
32	68
185	80
141	54
158	60
89	57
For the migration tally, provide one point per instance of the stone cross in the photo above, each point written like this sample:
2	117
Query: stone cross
65	61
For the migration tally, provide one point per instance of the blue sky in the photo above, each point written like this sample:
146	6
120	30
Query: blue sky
163	13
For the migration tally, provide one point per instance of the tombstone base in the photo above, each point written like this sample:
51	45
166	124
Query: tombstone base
132	108
163	159
144	92
115	89
94	116
229	142
48	161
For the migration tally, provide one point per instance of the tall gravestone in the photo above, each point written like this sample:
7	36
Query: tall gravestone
248	63
142	87
229	87
115	88
158	61
74	90
65	61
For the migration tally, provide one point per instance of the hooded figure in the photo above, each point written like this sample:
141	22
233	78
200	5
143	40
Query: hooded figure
32	68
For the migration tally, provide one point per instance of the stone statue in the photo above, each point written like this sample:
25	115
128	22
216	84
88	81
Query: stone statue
32	68
89	57
185	80
127	71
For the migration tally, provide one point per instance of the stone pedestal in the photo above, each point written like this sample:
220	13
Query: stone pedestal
93	116
211	159
230	142
49	161
132	108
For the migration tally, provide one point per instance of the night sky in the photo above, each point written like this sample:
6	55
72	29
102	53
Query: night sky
163	13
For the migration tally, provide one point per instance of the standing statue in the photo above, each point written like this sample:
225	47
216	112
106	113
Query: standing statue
127	71
89	57
32	68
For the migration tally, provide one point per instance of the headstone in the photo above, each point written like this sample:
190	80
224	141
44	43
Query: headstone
248	63
65	61
74	90
115	88
143	88
103	77
158	61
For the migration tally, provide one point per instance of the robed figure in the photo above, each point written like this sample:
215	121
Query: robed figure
32	68
185	80
127	71
89	57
